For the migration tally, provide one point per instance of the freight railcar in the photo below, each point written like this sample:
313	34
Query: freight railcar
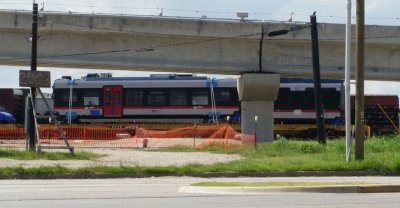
381	113
12	101
182	98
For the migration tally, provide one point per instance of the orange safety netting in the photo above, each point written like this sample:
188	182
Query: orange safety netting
78	136
84	133
197	136
97	133
12	133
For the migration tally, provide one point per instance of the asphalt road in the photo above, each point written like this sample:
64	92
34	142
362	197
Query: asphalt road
164	192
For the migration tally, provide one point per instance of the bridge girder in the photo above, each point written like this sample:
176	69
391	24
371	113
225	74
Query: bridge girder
190	45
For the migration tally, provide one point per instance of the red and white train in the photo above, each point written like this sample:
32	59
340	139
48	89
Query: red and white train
182	98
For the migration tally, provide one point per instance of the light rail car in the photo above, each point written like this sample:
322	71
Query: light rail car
177	98
162	98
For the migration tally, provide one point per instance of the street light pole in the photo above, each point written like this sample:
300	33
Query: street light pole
347	108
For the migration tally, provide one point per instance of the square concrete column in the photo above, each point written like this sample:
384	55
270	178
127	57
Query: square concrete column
257	93
265	122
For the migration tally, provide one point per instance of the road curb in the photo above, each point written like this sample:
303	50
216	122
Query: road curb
379	188
45	175
373	188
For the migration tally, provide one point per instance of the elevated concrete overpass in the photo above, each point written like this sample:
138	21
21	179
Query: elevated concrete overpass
189	45
196	46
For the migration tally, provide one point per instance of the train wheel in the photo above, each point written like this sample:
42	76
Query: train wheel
312	133
331	134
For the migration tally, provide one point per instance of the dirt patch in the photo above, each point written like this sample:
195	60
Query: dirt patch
129	157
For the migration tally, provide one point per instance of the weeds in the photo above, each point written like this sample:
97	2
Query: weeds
382	155
31	155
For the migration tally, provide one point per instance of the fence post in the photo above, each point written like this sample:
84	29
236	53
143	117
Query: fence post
194	136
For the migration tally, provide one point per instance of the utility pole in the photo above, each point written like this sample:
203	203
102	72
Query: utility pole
317	81
32	130
359	102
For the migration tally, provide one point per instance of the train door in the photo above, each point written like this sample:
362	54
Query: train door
112	105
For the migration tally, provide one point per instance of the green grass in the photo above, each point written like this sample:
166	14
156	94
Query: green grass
382	155
270	184
31	155
212	147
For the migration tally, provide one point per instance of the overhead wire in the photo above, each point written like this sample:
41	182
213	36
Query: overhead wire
141	49
197	11
151	48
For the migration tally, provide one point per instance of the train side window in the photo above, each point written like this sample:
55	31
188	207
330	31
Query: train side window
177	97
307	98
156	98
117	98
108	97
91	98
134	97
199	97
222	95
283	102
66	96
330	97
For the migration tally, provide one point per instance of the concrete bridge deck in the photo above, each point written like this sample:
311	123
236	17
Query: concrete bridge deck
189	45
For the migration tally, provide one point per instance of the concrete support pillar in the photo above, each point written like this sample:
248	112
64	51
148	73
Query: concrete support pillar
257	93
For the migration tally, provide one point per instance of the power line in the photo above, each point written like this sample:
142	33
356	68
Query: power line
151	48
15	3
105	7
201	11
133	31
143	49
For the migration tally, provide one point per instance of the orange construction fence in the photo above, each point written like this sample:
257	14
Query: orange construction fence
12	133
74	132
198	136
82	133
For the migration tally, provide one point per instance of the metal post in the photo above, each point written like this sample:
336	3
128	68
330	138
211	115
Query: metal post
359	102
194	137
27	121
317	81
261	49
347	101
32	137
255	131
70	104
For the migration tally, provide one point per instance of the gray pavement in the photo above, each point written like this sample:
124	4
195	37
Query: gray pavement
165	192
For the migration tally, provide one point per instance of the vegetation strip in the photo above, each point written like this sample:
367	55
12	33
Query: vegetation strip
281	158
31	155
271	184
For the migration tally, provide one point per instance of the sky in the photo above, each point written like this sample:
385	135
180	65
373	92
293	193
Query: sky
377	12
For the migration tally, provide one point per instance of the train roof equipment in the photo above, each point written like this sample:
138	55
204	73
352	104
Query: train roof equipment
94	80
